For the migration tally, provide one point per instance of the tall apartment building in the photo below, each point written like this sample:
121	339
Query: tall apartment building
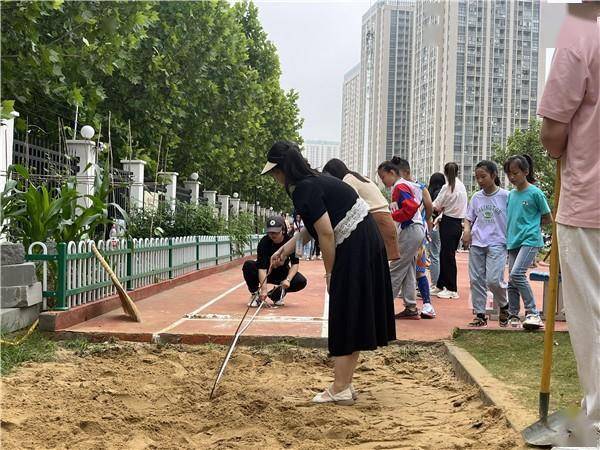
319	152
350	148
385	77
475	80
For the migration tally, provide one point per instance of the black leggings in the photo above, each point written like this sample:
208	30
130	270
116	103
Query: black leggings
250	271
450	232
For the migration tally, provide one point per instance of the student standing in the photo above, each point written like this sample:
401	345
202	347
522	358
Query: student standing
436	182
406	203
485	234
570	106
452	204
361	304
527	210
378	205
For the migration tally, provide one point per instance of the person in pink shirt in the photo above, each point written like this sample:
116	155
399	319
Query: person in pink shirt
570	108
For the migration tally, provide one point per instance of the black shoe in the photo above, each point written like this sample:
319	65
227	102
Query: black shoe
411	314
479	321
503	317
277	295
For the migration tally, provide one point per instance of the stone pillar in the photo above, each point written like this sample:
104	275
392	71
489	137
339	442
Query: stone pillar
235	206
243	206
224	200
136	191
211	196
171	179
195	187
87	153
7	128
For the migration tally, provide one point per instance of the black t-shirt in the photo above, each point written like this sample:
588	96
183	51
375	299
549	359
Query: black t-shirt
314	196
266	248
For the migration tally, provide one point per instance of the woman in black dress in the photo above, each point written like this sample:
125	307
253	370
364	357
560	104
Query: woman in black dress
361	303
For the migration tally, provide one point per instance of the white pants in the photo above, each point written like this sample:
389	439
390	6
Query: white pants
579	250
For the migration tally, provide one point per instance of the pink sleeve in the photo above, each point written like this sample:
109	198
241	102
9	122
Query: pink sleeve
566	86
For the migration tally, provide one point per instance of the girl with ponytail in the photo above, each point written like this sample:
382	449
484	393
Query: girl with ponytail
485	234
527	210
451	202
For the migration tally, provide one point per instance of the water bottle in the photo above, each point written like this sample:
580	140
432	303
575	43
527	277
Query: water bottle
299	245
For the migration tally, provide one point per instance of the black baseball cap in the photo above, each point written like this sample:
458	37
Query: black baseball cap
275	224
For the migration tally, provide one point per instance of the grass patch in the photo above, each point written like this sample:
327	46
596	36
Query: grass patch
36	347
516	359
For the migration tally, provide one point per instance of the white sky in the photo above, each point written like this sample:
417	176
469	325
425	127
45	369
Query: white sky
317	42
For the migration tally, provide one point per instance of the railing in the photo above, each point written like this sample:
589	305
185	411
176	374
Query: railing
45	162
72	276
183	194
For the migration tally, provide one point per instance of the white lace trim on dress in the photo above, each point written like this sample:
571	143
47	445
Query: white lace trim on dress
348	224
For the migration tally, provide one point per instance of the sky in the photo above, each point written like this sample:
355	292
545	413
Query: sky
317	42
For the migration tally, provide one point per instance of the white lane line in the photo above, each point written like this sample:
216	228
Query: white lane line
156	335
324	325
296	319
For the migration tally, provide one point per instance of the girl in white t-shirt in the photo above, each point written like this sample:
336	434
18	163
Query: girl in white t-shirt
452	203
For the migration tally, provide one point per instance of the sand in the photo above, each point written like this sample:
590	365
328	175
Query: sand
138	396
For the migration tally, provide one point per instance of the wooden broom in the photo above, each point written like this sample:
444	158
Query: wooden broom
126	302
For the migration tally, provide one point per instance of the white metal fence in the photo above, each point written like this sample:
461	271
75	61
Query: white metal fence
72	276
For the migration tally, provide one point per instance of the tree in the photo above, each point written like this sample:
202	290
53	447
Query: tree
201	78
528	142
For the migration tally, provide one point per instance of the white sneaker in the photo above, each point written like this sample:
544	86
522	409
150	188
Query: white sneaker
279	302
254	301
447	294
532	322
427	312
434	290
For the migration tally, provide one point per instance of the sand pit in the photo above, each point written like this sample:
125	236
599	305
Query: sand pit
141	396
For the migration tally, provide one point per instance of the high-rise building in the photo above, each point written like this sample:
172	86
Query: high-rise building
385	77
319	152
350	148
475	80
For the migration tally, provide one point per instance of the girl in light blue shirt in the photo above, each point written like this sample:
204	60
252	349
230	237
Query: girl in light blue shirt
527	211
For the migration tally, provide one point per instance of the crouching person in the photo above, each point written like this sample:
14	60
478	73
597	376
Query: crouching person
284	277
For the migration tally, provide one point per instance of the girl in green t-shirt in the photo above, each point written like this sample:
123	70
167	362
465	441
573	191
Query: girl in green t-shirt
527	210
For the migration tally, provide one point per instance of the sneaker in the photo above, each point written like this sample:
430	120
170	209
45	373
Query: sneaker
254	300
277	295
434	290
427	312
447	294
514	321
479	321
503	317
412	314
532	322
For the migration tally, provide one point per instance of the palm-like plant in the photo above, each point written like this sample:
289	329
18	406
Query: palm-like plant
35	213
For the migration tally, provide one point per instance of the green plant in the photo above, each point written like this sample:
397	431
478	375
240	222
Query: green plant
186	220
35	348
240	229
36	213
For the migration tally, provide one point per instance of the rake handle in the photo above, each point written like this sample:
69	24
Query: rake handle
550	313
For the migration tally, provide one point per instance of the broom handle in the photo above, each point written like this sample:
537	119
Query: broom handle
550	313
104	264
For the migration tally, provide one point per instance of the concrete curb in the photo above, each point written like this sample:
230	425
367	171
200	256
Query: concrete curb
492	391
